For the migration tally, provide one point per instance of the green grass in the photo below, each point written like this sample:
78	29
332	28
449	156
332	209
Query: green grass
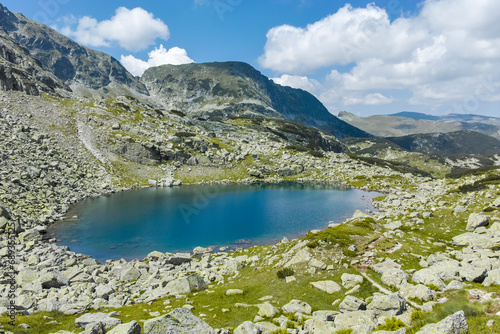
477	314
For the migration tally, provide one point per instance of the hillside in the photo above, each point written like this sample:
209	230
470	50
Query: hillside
407	123
218	90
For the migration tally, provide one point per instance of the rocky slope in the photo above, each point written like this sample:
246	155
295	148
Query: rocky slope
406	123
218	90
86	71
428	247
21	72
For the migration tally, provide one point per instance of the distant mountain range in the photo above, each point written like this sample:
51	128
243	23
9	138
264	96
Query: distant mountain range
408	123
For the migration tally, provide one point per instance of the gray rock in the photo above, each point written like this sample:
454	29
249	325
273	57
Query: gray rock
178	321
247	327
393	225
418	291
427	276
53	279
91	318
493	278
351	280
130	274
472	273
26	276
387	305
186	285
95	328
357	318
314	263
180	258
496	202
266	327
104	291
395	277
318	326
295	306
351	303
267	310
476	220
388	264
301	256
132	327
453	324
399	331
326	286
234	292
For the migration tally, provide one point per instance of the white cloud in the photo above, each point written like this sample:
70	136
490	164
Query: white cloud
437	57
158	56
374	99
133	29
296	81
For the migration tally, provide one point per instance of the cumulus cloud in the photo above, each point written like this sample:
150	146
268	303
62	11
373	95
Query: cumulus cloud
133	29
158	56
296	81
435	59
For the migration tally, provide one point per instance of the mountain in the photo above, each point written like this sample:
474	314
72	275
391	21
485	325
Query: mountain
448	144
408	123
208	91
219	90
415	115
86	71
20	71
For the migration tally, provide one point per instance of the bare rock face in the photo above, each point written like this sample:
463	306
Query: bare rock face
20	71
86	71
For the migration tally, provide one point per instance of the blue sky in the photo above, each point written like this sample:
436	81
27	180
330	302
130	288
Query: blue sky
365	57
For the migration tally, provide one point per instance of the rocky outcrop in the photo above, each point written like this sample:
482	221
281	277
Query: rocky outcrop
20	71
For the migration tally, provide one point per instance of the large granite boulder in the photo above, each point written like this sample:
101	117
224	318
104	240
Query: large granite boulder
297	306
179	321
91	318
453	324
387	305
476	220
132	327
186	285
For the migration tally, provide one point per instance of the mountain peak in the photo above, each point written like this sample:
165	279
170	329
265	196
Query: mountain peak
223	89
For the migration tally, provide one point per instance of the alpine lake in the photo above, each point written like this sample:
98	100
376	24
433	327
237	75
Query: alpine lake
132	223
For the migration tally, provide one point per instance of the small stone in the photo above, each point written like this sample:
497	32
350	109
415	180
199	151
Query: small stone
326	286
233	292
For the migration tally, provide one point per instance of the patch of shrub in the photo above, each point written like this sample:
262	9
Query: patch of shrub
297	148
391	324
178	113
185	134
317	154
285	272
313	244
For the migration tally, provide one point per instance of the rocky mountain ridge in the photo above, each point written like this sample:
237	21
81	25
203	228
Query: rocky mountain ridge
219	90
86	71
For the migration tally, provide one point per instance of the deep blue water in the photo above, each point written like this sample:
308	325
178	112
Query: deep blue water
132	223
